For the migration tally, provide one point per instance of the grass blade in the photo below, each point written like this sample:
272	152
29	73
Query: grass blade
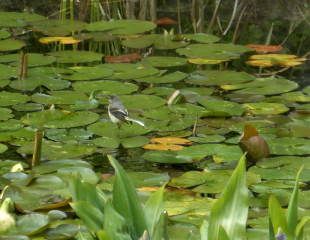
276	216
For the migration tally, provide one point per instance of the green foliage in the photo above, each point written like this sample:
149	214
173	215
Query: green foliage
229	213
121	216
287	223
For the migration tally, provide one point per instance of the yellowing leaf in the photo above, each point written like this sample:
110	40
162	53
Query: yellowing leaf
62	40
171	140
205	61
269	60
163	147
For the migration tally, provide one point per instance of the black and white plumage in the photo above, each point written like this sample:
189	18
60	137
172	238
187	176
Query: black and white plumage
118	113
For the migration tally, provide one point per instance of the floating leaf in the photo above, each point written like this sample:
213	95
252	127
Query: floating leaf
4	33
165	78
163	147
18	19
269	60
76	56
32	223
11	45
201	37
3	148
106	87
134	142
59	97
55	27
261	48
126	58
142	101
263	108
168	157
61	40
201	61
164	61
10	98
213	51
5	114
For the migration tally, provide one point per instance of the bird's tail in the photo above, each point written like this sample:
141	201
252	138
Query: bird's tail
135	121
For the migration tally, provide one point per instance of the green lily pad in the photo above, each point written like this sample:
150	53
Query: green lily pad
28	107
122	27
289	146
134	142
306	90
165	78
31	84
142	101
219	152
8	45
213	77
55	27
106	87
207	139
290	97
83	73
263	108
127	71
159	91
52	166
32	223
86	174
263	86
160	41
164	61
55	150
148	179
59	97
201	37
76	56
33	59
106	129
4	34
63	231
18	19
188	109
73	135
3	148
213	51
296	128
5	114
165	157
59	119
9	98
106	142
221	108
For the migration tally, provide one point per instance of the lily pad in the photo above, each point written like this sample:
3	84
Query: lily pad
215	51
106	142
126	71
221	108
33	59
32	223
165	157
289	146
263	108
164	61
59	119
88	73
213	77
140	101
165	78
86	174
8	45
201	37
55	150
263	86
4	34
73	135
134	142
18	19
5	114
76	56
106	87
55	27
59	97
122	27
10	98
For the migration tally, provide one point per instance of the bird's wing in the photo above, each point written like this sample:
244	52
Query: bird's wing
119	113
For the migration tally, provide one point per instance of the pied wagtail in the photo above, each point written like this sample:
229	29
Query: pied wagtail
118	113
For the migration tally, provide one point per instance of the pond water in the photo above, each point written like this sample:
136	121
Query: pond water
194	94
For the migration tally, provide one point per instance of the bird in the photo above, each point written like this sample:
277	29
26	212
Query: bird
254	144
118	113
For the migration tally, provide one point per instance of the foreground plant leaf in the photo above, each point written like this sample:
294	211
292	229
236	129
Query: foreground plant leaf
231	209
126	201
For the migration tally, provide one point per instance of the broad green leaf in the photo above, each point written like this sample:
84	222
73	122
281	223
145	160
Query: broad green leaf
91	216
126	201
276	215
300	227
231	209
154	208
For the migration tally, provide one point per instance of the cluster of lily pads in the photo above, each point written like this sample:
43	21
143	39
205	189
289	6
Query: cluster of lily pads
190	144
